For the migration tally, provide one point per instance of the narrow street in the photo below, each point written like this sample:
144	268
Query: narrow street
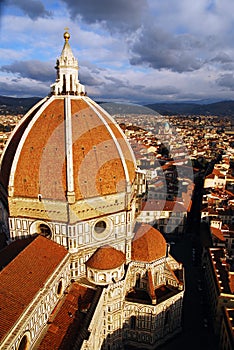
197	330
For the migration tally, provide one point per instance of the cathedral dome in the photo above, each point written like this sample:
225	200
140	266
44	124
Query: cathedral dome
67	148
148	244
106	258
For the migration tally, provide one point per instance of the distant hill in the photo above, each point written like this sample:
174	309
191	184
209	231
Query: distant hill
122	108
223	108
14	105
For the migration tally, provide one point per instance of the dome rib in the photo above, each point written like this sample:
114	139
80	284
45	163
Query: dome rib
122	135
113	137
14	141
32	171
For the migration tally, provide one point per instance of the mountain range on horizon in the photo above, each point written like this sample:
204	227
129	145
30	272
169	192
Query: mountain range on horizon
14	105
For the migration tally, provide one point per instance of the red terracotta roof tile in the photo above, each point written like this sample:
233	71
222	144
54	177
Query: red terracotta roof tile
69	319
12	250
10	150
106	258
37	171
41	167
23	277
148	244
217	233
231	282
95	149
162	205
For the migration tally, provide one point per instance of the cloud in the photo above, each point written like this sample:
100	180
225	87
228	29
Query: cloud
22	87
161	50
118	15
227	81
135	93
136	50
33	69
222	62
222	57
125	86
89	77
33	8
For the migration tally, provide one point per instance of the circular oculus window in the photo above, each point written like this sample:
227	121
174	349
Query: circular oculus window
102	229
100	226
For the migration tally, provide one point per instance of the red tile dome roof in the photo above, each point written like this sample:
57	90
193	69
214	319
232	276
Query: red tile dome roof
106	258
148	244
35	160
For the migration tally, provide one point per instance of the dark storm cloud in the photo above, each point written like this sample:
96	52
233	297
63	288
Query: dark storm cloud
117	82
227	81
164	91
139	88
33	8
88	78
223	60
136	93
115	14
222	57
161	50
17	88
34	69
109	86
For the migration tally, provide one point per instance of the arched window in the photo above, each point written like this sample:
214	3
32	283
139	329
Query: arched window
102	277
91	275
133	322
44	230
167	317
64	84
71	83
24	343
138	280
60	288
115	275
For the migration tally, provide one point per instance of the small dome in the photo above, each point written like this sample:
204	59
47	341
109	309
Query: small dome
148	244
106	258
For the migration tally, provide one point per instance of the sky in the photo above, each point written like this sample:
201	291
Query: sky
137	51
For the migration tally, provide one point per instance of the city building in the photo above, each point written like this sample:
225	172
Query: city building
168	216
78	271
217	205
219	283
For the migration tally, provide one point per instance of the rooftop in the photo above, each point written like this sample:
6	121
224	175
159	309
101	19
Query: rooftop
68	319
106	258
221	268
217	233
162	293
148	244
162	205
24	276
